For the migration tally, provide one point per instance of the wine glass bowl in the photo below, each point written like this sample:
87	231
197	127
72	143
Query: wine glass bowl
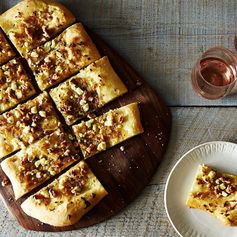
215	73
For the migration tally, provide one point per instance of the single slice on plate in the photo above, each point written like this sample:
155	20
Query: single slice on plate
67	199
38	162
91	88
27	123
109	129
215	193
33	22
6	51
15	85
62	57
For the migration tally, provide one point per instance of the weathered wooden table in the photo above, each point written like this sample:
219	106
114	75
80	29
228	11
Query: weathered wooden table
161	39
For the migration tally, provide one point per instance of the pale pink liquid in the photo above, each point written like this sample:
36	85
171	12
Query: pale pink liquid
216	72
211	78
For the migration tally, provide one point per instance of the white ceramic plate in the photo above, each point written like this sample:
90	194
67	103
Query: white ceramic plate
192	222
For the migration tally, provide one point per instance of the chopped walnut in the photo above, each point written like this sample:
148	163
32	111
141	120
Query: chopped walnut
31	139
94	135
33	110
212	174
19	94
230	189
224	194
220	185
85	107
42	113
10	119
38	175
17	114
34	54
109	120
101	146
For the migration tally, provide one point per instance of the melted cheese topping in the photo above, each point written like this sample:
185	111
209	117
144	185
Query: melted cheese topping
62	57
6	52
15	85
107	130
27	123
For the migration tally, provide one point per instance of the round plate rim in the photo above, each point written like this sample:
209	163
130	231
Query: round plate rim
175	166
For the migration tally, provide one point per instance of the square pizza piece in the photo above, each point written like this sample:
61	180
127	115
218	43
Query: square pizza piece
32	22
66	199
62	57
15	85
38	162
109	129
91	88
215	192
27	123
6	52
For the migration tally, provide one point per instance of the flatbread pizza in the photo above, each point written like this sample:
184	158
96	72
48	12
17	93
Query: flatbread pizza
6	51
32	22
90	89
215	192
109	129
62	57
15	85
41	153
35	164
27	123
67	199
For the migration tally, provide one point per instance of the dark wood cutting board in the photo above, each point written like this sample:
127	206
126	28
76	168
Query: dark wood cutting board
124	174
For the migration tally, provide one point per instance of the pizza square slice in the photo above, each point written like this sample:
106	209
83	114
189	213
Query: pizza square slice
215	193
91	88
6	51
62	57
35	164
32	22
15	85
109	129
66	199
27	123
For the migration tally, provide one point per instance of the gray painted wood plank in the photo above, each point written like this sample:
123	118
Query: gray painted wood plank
161	39
146	215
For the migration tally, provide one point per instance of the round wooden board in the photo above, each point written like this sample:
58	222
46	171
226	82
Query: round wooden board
124	174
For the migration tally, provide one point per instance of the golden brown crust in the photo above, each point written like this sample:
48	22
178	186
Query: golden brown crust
6	51
15	85
215	193
67	199
62	57
38	162
32	22
90	89
109	129
27	123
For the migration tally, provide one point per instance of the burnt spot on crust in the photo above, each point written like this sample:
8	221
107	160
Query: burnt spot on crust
86	202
